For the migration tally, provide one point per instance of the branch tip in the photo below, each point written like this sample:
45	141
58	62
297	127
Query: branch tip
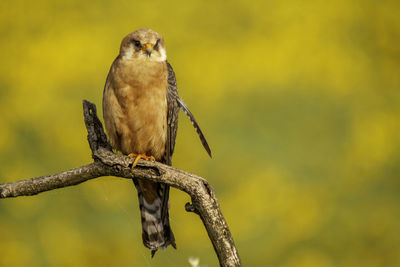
191	208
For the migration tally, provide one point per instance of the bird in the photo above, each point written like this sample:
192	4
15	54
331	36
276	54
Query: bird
140	112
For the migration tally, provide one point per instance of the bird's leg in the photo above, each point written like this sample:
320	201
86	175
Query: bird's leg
140	156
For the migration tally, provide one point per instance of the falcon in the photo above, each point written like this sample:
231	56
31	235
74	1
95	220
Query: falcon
140	110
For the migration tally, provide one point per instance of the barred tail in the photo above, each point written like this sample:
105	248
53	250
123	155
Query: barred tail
153	202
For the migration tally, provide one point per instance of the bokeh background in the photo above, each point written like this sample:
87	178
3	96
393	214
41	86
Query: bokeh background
299	101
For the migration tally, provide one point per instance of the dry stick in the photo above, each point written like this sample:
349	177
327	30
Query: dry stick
107	163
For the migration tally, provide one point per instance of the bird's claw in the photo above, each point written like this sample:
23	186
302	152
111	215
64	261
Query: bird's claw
140	156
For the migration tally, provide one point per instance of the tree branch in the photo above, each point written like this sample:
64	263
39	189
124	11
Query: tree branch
107	163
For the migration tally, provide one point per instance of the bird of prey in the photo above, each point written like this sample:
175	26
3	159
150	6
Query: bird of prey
140	109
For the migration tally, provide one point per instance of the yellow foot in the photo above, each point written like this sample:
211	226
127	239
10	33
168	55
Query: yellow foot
140	156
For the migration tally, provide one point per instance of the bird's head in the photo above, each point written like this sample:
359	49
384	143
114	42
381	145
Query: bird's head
143	44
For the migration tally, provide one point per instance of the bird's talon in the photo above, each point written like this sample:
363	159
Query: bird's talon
132	155
140	156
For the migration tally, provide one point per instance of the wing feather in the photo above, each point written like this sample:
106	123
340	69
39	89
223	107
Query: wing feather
195	125
172	115
174	104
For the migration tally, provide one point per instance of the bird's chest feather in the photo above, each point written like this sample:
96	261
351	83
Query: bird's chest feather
141	93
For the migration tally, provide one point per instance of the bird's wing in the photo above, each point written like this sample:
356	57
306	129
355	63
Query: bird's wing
195	125
174	103
172	114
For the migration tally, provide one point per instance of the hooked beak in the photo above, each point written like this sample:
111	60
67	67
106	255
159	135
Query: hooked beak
148	49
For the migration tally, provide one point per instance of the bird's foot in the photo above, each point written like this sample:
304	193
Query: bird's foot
140	156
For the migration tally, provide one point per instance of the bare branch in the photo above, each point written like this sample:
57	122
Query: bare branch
108	163
40	184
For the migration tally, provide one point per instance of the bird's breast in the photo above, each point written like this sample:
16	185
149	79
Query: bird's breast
141	94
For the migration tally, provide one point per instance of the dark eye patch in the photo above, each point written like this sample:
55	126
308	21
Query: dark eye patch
156	46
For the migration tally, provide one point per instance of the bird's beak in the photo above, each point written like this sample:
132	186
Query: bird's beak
148	49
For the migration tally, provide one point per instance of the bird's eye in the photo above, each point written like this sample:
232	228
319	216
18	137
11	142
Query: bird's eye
156	46
137	43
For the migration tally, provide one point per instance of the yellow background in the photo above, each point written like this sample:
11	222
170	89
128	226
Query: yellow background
299	101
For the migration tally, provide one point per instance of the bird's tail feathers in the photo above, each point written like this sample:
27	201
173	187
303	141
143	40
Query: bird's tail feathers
156	231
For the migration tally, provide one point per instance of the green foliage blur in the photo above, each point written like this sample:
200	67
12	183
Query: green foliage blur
299	100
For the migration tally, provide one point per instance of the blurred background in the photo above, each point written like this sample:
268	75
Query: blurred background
299	100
